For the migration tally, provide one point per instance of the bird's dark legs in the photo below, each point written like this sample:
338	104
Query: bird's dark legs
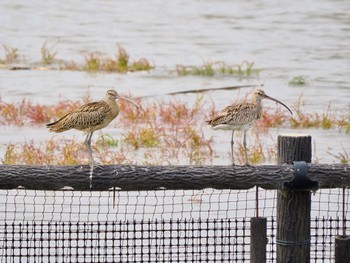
87	142
88	146
233	159
245	147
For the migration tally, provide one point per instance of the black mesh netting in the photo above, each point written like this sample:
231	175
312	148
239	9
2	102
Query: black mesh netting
152	226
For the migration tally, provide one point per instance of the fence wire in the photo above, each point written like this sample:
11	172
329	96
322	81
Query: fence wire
152	226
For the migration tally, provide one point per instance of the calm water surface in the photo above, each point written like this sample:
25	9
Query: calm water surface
284	39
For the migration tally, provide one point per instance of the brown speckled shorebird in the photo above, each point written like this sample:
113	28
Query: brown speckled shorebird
241	116
90	117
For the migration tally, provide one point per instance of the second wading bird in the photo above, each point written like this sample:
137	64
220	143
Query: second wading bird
90	117
241	116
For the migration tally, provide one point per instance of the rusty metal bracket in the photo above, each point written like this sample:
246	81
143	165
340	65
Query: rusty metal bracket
300	180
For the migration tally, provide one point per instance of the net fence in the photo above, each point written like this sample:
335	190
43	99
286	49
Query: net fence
153	226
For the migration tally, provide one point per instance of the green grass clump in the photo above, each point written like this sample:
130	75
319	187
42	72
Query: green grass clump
344	122
107	140
245	69
140	65
92	62
97	61
205	70
347	125
343	157
47	54
327	120
144	137
122	60
298	81
11	55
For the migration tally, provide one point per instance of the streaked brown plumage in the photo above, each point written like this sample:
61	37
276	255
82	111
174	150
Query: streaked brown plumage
90	117
241	116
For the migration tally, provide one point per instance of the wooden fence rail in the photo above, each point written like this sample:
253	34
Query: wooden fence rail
132	177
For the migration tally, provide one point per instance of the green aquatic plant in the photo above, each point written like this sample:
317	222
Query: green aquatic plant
245	69
11	55
299	80
106	140
343	157
205	70
302	119
122	60
141	65
92	62
143	137
47	54
344	122
98	61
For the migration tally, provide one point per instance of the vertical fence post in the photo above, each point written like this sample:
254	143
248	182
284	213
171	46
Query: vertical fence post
258	239
342	249
293	207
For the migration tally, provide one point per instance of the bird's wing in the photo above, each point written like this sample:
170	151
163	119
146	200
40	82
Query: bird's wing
236	114
84	117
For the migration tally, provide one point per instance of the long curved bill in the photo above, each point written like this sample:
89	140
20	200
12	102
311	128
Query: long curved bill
270	98
128	100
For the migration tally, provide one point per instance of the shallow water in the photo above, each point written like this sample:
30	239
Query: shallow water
284	39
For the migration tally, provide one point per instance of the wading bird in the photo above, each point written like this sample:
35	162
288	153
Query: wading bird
90	117
241	116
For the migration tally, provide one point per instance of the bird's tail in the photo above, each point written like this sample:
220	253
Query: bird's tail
56	127
212	121
208	122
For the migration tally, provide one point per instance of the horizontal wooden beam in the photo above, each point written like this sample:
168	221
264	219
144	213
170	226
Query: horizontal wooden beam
132	177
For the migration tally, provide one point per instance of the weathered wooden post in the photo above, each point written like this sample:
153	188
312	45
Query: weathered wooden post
258	234
342	249
293	206
258	239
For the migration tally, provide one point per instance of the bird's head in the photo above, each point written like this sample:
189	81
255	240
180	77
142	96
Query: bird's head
259	94
113	95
